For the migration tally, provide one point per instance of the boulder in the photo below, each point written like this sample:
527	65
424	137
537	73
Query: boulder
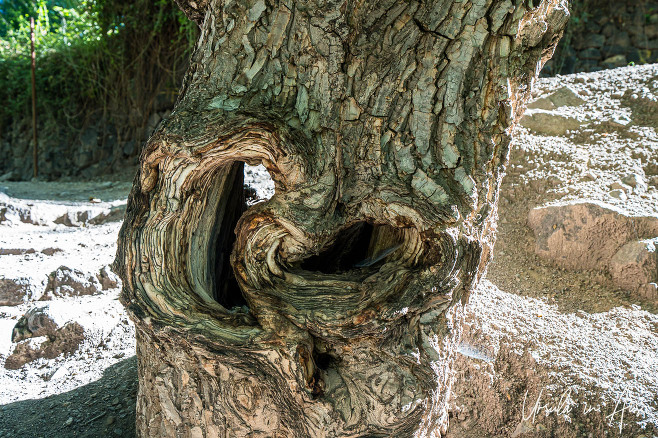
590	54
616	60
635	265
636	181
585	235
36	322
592	40
14	291
73	218
564	96
549	123
108	279
65	340
67	282
115	214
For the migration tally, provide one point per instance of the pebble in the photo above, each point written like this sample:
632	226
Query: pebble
69	421
619	186
631	180
619	194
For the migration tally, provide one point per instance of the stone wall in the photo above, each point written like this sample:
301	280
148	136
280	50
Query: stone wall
64	153
604	34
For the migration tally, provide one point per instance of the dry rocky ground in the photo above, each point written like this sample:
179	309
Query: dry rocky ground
561	339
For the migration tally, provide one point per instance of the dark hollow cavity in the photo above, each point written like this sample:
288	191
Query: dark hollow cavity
231	206
361	245
233	199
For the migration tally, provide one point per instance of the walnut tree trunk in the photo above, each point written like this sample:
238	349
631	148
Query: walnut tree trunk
332	309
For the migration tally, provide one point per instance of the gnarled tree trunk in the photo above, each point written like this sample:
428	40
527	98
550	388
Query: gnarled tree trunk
332	309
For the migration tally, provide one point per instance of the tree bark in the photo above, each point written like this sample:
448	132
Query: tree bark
332	309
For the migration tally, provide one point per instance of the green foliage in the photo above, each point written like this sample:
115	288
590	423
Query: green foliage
96	59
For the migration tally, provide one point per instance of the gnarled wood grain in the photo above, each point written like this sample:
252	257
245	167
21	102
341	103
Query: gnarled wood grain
385	126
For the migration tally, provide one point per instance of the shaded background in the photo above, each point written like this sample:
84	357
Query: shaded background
109	70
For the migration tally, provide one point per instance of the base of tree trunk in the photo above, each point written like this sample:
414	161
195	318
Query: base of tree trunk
189	390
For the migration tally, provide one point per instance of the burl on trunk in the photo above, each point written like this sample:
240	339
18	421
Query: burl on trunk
333	309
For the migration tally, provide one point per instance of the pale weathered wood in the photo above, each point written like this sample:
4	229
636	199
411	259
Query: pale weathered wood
385	126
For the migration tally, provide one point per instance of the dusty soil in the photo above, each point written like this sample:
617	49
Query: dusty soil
546	352
569	338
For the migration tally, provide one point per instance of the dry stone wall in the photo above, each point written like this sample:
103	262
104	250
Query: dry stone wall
604	35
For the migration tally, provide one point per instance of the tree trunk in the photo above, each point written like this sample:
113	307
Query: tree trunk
332	309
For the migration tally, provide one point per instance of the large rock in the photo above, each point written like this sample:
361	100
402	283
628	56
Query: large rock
35	323
14	291
108	279
635	265
549	122
115	214
565	96
585	235
67	282
66	340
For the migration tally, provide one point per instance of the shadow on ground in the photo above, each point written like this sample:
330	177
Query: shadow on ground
104	408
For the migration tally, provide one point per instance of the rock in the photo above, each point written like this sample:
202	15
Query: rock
585	235
642	43
108	279
618	121
589	176
619	39
67	282
636	181
16	251
60	373
543	103
618	194
590	54
73	218
50	251
648	291
69	421
592	40
65	341
619	186
566	96
36	322
549	123
635	264
616	60
115	214
651	31
15	291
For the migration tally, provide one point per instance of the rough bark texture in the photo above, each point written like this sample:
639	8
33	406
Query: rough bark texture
385	127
